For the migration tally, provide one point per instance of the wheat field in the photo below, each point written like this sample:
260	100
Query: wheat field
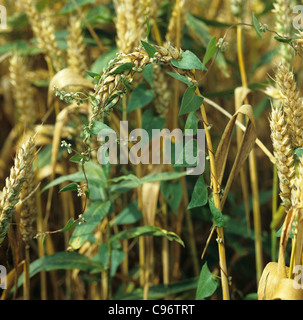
73	227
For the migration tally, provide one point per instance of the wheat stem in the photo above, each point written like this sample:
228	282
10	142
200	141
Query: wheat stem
252	169
217	202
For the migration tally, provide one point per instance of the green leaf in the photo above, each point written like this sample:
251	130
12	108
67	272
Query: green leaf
70	187
94	172
102	257
256	24
210	50
61	260
124	67
99	14
71	6
76	177
190	101
103	60
200	194
299	152
192	122
150	49
19	46
188	61
188	156
77	158
160	291
93	216
217	214
283	40
131	181
172	193
147	73
146	231
94	75
206	285
150	122
163	176
17	20
140	97
71	224
123	178
200	30
181	78
98	126
129	215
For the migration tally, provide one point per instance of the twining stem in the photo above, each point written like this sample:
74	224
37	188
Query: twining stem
217	202
252	169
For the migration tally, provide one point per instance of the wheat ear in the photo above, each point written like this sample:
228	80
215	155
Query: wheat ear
76	49
283	13
292	104
13	185
28	207
283	154
23	93
44	32
130	24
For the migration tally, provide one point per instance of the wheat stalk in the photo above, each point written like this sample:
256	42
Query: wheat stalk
283	154
13	185
292	104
